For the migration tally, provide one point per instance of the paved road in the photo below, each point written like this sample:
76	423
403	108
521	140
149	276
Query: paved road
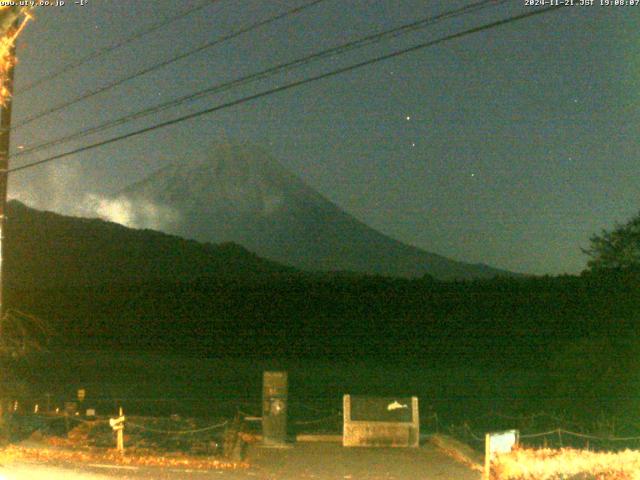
305	461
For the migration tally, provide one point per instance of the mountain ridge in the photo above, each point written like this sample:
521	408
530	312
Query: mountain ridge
241	194
46	249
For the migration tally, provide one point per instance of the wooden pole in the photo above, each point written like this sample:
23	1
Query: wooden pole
5	130
120	441
486	474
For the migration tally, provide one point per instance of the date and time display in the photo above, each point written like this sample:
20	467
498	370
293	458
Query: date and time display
581	3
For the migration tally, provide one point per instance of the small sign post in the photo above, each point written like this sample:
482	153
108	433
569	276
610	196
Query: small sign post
370	421
275	387
497	442
118	426
487	457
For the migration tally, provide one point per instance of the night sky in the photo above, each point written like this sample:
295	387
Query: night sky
508	147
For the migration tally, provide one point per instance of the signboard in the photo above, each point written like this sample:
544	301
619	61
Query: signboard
502	442
381	409
497	443
274	407
380	421
117	423
118	426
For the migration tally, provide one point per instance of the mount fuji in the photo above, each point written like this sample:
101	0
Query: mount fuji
240	194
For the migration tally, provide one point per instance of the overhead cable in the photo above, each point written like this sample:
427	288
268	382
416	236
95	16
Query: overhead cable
291	85
283	67
164	63
110	48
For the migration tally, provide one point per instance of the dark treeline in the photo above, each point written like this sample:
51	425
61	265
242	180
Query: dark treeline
569	343
521	320
515	341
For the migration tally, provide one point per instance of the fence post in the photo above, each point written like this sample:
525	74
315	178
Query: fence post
120	444
487	457
118	426
66	422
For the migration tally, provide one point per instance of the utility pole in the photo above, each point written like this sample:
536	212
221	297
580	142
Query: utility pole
10	27
5	130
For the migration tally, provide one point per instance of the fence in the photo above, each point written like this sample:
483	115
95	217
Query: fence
562	433
324	415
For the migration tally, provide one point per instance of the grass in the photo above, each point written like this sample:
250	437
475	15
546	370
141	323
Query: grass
40	454
566	463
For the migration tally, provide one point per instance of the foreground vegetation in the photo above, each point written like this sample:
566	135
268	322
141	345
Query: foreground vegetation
53	455
557	344
547	464
195	324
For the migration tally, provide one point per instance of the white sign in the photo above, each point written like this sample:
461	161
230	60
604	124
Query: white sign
502	442
395	405
117	423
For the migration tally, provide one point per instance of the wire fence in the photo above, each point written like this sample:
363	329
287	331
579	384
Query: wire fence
557	436
218	426
323	415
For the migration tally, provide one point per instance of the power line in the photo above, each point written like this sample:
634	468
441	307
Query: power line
338	50
110	48
291	85
165	63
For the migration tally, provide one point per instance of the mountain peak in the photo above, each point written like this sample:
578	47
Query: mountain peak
240	193
239	178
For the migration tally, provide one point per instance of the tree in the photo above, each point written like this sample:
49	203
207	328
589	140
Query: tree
618	249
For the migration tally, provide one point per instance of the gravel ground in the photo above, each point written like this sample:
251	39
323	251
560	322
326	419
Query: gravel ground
318	461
